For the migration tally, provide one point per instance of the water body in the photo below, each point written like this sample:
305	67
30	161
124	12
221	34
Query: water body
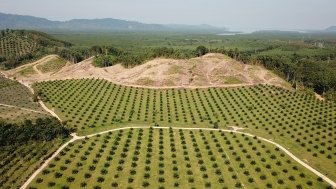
231	34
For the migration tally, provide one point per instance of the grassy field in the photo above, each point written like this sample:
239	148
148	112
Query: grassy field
299	122
162	158
27	71
17	115
17	95
52	65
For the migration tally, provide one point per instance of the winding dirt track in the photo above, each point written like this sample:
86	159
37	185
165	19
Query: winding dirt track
48	110
32	91
26	109
36	69
235	130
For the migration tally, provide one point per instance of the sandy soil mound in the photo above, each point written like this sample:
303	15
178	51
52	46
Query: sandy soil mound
211	70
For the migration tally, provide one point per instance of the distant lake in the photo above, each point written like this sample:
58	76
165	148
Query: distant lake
233	33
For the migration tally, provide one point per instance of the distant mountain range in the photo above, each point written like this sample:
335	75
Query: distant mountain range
331	29
12	21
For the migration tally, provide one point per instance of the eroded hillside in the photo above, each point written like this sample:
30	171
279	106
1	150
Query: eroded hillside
211	70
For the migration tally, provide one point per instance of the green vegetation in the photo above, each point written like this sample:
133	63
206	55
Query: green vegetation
23	147
168	158
109	56
19	96
175	69
20	46
18	162
45	129
306	60
14	44
162	158
17	115
231	80
6	82
27	71
16	94
145	81
295	120
53	65
28	135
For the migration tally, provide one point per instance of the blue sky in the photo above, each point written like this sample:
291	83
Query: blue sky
253	14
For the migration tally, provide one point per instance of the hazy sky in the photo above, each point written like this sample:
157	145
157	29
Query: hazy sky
254	14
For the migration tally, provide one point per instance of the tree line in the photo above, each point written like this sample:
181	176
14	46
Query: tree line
43	129
317	72
108	55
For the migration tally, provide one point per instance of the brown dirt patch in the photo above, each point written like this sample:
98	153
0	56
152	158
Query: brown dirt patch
211	70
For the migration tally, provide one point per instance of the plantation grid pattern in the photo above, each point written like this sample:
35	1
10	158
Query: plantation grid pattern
300	122
15	94
17	163
162	158
16	45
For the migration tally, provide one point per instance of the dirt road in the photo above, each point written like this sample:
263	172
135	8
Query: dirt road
26	109
32	91
37	70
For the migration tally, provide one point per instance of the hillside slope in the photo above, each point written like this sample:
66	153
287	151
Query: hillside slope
104	24
211	70
18	46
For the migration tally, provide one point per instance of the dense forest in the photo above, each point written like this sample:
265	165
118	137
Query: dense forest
43	129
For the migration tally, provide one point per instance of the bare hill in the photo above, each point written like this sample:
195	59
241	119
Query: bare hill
211	70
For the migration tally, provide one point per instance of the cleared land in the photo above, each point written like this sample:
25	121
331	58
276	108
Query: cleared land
212	70
47	64
162	158
299	122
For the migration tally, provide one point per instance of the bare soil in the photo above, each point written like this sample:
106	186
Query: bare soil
211	70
